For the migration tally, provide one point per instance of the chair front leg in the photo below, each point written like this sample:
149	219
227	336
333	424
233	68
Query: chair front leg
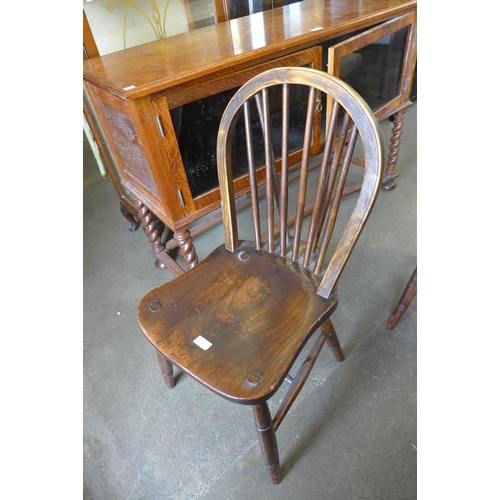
167	370
267	440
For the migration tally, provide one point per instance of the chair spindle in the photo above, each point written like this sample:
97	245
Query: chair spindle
337	195
319	196
251	174
304	167
269	158
284	170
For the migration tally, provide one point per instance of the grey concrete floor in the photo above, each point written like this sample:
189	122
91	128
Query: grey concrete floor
351	434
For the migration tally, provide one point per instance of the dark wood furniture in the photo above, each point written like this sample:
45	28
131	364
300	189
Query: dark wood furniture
405	300
157	101
237	321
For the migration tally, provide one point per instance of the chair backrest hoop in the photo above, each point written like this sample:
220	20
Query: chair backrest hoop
368	129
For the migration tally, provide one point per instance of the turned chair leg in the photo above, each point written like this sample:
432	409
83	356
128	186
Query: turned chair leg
167	370
267	440
332	340
406	298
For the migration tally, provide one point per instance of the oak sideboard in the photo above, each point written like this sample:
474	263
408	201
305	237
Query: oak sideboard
159	104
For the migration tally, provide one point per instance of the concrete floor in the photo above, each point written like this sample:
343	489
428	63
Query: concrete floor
351	434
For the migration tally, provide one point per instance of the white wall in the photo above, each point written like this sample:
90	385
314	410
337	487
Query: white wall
126	26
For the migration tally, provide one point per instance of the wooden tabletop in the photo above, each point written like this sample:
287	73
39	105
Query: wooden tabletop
197	54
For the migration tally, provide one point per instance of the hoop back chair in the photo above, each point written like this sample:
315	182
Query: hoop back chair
238	320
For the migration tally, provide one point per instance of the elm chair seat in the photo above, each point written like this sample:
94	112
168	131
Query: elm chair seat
242	294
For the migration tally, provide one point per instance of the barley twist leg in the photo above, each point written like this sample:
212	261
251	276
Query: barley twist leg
151	229
390	173
186	248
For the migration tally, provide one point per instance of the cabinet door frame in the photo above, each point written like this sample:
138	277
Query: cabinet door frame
162	104
340	50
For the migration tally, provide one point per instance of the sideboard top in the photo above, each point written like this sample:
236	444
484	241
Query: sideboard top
180	59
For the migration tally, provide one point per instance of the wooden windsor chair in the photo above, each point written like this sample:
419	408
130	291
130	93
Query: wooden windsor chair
237	321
